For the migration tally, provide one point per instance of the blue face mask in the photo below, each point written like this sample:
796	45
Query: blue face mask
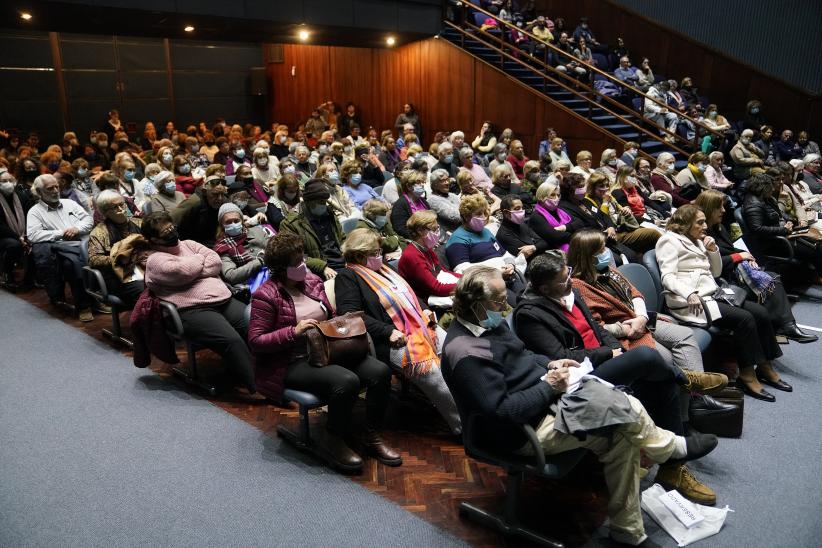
418	191
185	169
356	179
448	159
318	210
603	260
755	110
233	229
239	153
492	319
380	221
128	174
82	172
171	187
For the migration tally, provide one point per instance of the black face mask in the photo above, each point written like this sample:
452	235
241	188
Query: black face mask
169	240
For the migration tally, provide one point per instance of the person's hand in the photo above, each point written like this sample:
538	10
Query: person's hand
303	326
558	379
527	250
397	339
70	233
710	243
611	233
625	210
635	327
616	352
789	226
694	304
329	273
261	218
560	228
747	256
507	271
803	224
564	362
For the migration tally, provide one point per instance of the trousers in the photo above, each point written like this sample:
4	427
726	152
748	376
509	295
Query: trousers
60	262
11	251
223	328
753	335
620	460
677	345
640	240
340	386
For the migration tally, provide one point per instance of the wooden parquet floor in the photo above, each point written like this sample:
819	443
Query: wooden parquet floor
436	475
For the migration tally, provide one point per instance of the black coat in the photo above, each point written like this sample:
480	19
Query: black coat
764	222
553	237
544	329
726	248
582	217
26	201
400	213
353	295
513	236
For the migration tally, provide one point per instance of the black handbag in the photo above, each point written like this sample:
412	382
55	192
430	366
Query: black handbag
731	294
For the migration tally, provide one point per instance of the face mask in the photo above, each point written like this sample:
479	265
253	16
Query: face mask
185	169
476	224
347	149
669	169
501	157
603	260
290	195
333	176
289	170
167	158
632	153
318	210
712	115
242	204
550	203
702	168
612	163
356	179
448	159
233	229
492	320
432	239
171	240
517	217
630	182
283	140
128	174
419	191
755	110
579	192
380	221
375	263
296	273
745	140
262	162
239	153
82	172
6	188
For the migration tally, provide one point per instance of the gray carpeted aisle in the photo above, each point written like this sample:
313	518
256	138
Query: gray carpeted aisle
94	452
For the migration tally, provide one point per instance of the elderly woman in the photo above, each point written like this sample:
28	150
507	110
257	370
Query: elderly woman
583	166
166	197
746	157
187	274
264	170
608	165
339	201
352	178
740	267
443	202
626	192
603	204
714	174
514	233
145	189
549	222
691	179
15	202
812	172
285	307
557	152
662	179
236	157
689	260
240	248
390	155
116	227
284	199
468	187
375	217
186	183
505	183
123	167
466	157
411	200
419	264
405	336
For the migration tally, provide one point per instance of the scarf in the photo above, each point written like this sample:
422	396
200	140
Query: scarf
759	281
16	219
419	356
635	201
416	204
564	219
234	248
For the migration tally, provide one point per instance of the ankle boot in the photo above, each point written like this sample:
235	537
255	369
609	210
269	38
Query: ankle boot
377	448
749	384
340	454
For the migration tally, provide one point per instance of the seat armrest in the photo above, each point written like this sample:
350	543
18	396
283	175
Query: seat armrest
173	323
536	446
95	284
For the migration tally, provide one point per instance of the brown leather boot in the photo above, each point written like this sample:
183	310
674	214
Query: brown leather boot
705	383
339	454
677	476
377	448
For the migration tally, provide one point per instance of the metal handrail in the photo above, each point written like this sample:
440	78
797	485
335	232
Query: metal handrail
473	7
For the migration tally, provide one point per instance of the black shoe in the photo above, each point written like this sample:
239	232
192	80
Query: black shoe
779	385
699	445
706	406
792	332
763	394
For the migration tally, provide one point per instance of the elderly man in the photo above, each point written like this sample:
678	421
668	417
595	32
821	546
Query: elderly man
626	72
196	216
656	112
57	230
407	129
302	161
491	374
746	156
517	159
445	155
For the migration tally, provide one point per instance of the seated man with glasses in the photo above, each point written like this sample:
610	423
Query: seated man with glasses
196	216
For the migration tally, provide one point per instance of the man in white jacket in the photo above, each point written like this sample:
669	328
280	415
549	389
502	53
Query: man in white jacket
658	114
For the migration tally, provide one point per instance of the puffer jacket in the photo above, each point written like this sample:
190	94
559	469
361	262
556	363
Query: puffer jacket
271	335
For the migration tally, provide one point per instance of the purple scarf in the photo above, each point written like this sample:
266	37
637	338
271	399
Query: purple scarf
564	219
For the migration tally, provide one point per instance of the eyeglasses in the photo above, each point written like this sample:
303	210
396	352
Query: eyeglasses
118	207
375	253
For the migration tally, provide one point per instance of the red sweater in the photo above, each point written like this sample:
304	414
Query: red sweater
519	165
420	270
577	318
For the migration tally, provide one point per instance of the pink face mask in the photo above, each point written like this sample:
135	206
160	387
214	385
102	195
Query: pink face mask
550	203
476	224
432	239
580	192
296	273
375	263
517	217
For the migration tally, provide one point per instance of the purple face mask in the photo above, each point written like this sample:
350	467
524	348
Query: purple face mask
375	263
296	273
550	203
517	217
580	192
476	224
432	239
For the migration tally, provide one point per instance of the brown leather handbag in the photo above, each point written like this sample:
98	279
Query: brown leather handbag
340	340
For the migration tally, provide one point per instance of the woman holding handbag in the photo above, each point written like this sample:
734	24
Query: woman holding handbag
689	260
405	336
283	309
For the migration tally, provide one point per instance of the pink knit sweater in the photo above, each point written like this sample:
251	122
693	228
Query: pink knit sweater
188	275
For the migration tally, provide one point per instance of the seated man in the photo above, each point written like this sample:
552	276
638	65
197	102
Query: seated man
57	230
196	216
626	72
552	319
491	373
658	114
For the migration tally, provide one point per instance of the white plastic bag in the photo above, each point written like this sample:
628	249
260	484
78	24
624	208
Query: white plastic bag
714	518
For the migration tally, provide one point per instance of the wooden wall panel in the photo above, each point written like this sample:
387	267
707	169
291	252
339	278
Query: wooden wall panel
450	89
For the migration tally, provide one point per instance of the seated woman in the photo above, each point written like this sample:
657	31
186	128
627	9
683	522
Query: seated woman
443	202
740	267
411	200
285	307
182	173
351	176
765	221
608	164
505	183
553	320
375	217
467	187
187	274
284	199
420	265
691	179
166	197
583	166
628	231
404	335
339	201
116	227
549	221
514	233
714	174
240	248
662	179
689	260
626	192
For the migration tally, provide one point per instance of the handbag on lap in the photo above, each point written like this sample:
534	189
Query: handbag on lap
340	340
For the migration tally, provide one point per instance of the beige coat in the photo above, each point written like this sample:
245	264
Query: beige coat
687	267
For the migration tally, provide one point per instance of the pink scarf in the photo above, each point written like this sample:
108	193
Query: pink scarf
564	219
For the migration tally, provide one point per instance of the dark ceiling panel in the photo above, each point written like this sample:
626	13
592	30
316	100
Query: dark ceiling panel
91	84
87	55
141	56
266	10
375	15
20	51
28	84
338	13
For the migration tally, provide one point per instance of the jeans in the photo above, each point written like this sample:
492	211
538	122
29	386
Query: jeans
58	263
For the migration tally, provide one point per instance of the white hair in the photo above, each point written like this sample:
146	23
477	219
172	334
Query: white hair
466	152
105	198
455	135
747	133
39	181
810	158
444	147
162	177
605	153
437	174
715	155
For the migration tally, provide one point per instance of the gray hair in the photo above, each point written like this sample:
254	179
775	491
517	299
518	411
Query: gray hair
456	134
301	148
664	158
292	147
438	174
444	147
605	154
811	158
747	133
561	163
162	177
152	168
715	155
474	287
105	199
466	152
39	181
500	147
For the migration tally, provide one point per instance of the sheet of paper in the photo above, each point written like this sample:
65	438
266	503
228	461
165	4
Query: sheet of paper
576	374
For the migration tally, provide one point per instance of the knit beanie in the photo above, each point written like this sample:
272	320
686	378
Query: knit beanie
226	208
316	191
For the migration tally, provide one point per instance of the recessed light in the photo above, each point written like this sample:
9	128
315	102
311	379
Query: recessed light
189	28
303	35
390	41
25	16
